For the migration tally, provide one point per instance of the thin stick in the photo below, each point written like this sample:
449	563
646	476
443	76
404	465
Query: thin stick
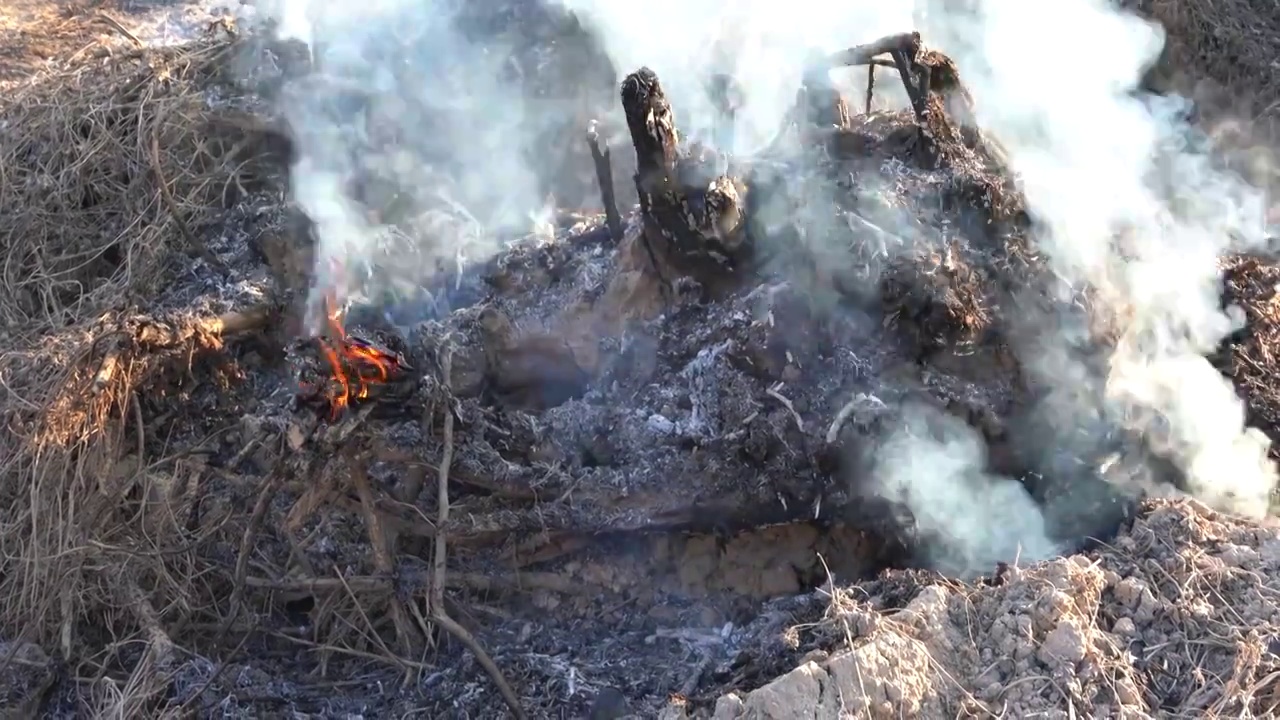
265	495
193	243
115	25
871	85
438	612
604	176
383	559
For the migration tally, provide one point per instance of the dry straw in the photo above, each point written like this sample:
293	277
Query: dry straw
110	168
1231	44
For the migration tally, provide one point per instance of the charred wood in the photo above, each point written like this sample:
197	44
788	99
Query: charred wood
689	228
604	176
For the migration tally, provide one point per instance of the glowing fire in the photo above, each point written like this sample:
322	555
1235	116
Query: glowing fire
355	363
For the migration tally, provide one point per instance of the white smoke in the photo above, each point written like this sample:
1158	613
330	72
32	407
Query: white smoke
1125	197
411	137
1130	203
934	464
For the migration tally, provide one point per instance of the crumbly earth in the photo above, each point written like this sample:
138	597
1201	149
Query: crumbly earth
1175	618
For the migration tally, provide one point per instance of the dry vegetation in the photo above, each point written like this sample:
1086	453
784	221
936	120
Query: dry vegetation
114	168
116	161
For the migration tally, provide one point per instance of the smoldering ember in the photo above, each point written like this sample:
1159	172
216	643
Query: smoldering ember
817	430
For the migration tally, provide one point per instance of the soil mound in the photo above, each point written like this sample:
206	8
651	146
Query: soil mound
1173	618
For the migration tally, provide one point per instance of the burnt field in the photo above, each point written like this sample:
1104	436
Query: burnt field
727	434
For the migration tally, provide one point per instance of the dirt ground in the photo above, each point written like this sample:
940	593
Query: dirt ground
654	506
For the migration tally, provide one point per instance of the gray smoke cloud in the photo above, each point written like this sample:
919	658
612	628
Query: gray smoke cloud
1126	199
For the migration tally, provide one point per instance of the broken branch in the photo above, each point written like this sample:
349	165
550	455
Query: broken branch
904	50
241	321
604	176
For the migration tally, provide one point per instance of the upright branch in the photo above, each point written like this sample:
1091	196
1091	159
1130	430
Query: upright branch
653	129
440	560
604	177
692	215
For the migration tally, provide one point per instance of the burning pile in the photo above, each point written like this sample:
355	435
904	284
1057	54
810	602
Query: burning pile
356	367
623	438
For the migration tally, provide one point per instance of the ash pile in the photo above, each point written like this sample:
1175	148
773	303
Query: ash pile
773	339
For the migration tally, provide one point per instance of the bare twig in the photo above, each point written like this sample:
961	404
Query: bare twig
265	495
859	401
115	25
195	244
775	392
147	678
440	561
871	86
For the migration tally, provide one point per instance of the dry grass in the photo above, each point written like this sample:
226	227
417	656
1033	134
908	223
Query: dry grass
1223	54
108	172
85	154
1253	356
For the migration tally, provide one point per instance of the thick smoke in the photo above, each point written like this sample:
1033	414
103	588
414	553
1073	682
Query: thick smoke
413	134
1129	202
1126	199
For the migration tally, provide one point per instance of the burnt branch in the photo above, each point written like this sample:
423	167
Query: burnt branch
866	54
439	562
653	129
692	215
604	176
904	51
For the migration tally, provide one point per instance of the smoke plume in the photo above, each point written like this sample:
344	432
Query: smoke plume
413	132
410	113
1126	198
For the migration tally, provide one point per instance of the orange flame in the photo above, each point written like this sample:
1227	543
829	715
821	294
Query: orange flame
355	364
